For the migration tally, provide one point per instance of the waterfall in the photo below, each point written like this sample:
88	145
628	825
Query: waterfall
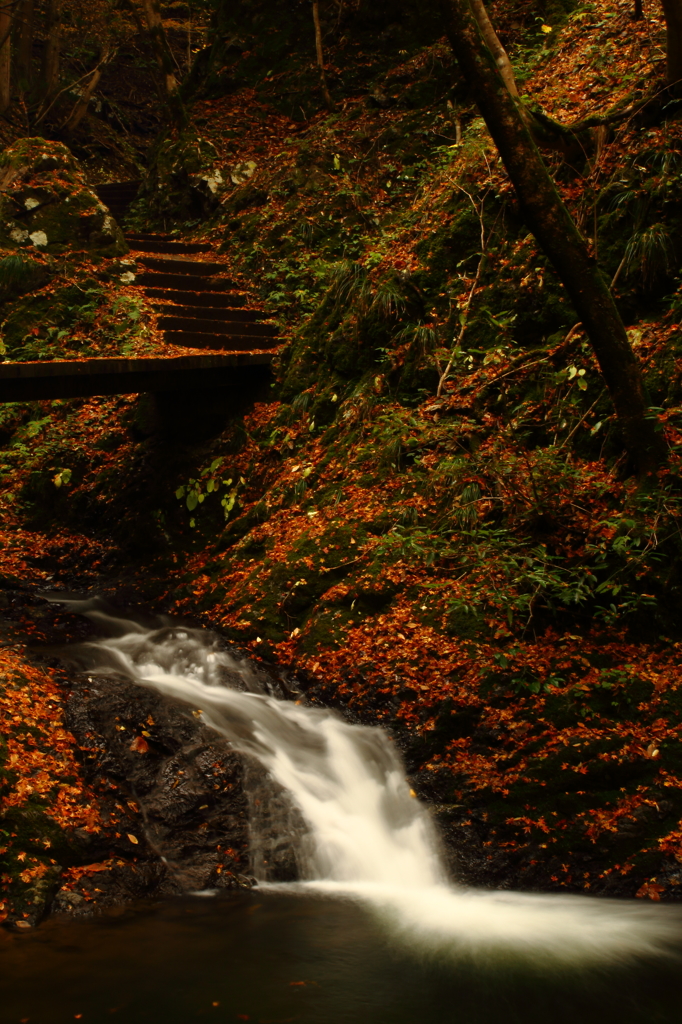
368	837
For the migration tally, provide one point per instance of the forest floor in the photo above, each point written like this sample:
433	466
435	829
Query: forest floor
428	517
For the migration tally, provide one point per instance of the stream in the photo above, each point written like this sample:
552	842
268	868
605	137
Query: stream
372	930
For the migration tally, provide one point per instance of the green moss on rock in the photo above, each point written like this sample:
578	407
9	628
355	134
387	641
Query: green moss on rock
46	205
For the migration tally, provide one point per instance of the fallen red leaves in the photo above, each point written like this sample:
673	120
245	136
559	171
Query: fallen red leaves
40	759
329	515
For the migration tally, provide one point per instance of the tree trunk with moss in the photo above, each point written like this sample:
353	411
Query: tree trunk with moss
552	224
493	43
672	10
164	56
548	133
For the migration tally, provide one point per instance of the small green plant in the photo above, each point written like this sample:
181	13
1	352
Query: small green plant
351	285
18	274
197	489
129	309
648	254
62	478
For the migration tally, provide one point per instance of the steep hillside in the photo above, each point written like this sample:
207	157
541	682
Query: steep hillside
429	516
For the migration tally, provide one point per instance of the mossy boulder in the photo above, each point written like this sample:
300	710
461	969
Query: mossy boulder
46	205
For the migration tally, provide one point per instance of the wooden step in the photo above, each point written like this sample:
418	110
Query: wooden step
185	282
210	300
160	246
224	315
232	342
190	324
82	378
182	265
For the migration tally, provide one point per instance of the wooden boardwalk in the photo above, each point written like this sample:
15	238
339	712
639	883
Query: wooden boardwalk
198	307
82	378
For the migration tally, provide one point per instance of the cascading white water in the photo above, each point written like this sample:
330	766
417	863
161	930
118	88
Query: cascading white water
369	838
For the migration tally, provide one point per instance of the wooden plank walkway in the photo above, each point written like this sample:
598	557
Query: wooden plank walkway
199	307
24	382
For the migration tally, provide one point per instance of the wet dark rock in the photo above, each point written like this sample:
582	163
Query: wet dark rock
113	885
278	832
170	792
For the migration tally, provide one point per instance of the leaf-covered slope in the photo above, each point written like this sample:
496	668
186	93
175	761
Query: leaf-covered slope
426	517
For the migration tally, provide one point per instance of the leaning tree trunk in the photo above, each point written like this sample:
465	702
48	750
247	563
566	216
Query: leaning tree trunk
165	60
493	43
5	55
556	231
81	105
673	21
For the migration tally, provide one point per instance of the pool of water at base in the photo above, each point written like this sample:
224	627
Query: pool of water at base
280	958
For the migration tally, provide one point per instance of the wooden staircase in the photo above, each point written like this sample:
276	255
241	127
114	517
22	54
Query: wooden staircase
198	307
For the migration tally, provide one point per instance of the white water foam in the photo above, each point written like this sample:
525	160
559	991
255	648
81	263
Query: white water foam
369	838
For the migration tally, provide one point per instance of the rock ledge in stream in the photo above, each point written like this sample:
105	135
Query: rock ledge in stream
172	792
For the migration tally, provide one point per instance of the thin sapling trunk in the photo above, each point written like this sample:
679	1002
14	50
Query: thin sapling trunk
320	53
672	10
